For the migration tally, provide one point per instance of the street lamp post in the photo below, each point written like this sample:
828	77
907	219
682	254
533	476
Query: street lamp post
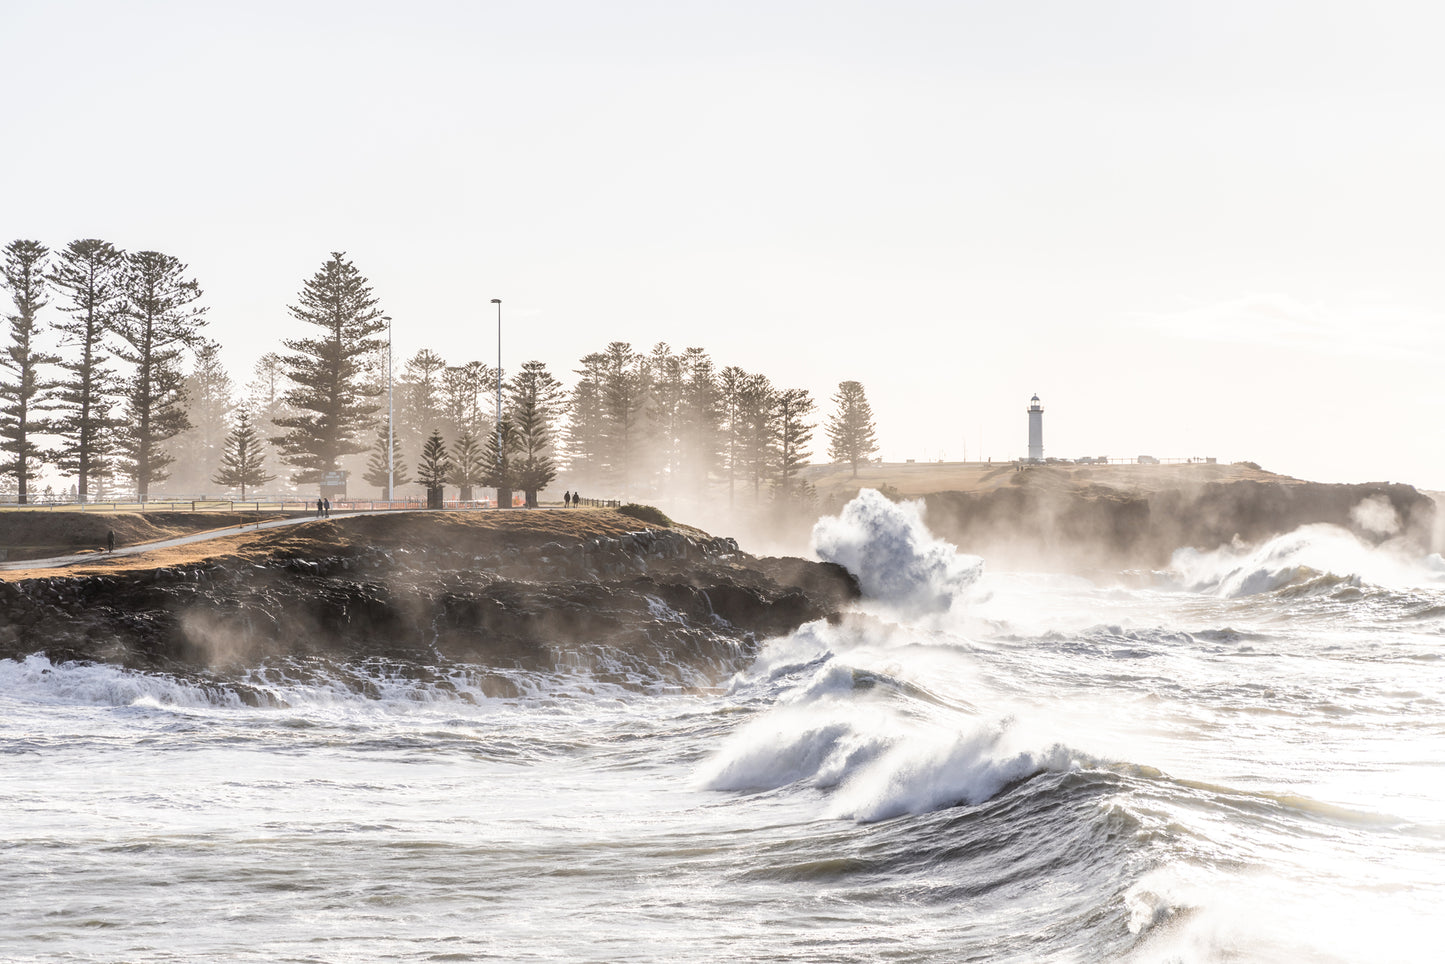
500	488
390	419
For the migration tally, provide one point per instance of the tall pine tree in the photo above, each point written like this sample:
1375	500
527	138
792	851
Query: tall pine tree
793	435
666	382
244	461
419	398
534	398
377	473
264	397
209	406
756	427
23	393
623	397
701	423
331	402
730	384
467	464
464	390
586	425
851	436
158	322
87	275
433	468
499	470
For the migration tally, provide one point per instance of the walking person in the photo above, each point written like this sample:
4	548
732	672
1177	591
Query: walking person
567	499
327	511
318	508
110	541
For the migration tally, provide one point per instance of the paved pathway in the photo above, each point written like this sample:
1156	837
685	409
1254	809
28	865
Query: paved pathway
59	562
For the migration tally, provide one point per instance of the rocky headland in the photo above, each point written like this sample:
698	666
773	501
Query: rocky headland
1079	517
589	591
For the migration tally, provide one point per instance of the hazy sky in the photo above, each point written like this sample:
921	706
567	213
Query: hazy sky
1204	229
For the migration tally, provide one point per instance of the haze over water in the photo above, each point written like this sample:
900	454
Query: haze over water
1237	759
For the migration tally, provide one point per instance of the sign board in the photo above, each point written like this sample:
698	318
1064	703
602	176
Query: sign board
333	485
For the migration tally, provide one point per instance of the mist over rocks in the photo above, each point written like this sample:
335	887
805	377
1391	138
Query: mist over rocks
426	590
1060	519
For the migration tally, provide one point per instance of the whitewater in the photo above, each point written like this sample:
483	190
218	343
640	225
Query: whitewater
1238	758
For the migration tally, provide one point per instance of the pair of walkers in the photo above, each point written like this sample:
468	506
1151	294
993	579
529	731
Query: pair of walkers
570	499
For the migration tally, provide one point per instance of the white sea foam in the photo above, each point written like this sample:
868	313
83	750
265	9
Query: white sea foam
35	679
1312	550
896	559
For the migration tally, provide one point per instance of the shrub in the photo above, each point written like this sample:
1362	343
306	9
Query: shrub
645	513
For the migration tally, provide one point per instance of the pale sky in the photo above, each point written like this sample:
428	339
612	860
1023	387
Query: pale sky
1204	229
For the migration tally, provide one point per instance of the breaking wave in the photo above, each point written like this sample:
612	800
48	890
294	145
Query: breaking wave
897	561
1315	556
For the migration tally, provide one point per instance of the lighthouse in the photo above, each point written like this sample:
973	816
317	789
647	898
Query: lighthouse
1036	430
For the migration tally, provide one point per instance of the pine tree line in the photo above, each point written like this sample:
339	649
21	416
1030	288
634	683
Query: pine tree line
670	423
113	400
74	407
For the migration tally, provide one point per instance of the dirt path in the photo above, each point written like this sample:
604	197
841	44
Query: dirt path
99	556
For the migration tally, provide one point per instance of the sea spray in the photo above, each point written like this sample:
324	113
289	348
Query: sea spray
1308	552
897	561
1376	515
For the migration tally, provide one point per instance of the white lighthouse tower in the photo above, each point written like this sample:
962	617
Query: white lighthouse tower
1036	430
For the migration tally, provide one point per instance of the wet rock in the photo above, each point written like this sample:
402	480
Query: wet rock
584	606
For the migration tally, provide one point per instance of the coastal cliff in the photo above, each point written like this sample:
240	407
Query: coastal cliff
590	592
1070	518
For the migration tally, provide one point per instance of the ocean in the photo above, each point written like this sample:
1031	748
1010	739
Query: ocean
1238	758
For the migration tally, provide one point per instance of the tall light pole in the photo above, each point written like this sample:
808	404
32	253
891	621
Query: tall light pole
390	417
498	303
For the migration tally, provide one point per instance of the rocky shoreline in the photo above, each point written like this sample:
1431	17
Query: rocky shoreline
653	606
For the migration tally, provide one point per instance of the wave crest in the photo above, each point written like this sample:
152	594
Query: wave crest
896	559
1312	558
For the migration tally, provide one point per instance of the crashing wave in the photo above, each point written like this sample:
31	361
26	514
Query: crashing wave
1311	559
896	560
